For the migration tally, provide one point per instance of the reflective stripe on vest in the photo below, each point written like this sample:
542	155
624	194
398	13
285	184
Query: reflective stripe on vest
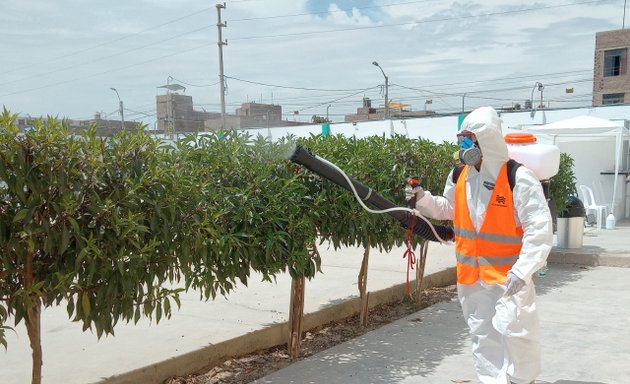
489	254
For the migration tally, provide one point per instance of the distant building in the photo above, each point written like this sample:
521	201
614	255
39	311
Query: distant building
175	114
396	111
104	127
25	123
611	79
252	115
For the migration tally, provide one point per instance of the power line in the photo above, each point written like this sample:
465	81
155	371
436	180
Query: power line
481	82
99	59
510	79
331	101
140	113
326	12
298	88
135	49
74	53
195	85
105	72
413	23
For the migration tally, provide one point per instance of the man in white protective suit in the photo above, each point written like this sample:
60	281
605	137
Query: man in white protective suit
503	234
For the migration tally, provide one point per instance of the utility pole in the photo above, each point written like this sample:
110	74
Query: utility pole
386	89
121	109
221	43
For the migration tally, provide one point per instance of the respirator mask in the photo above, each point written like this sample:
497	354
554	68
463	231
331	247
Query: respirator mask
469	152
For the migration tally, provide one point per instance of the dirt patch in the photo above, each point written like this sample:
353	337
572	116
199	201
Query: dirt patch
255	365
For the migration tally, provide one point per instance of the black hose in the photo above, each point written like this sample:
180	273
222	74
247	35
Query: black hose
306	158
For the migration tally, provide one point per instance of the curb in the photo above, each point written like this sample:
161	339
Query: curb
589	257
268	337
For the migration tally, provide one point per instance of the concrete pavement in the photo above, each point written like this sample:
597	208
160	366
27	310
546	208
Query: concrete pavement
584	313
583	308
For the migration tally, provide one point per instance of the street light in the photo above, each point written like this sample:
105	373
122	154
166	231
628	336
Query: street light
386	89
120	109
540	87
327	113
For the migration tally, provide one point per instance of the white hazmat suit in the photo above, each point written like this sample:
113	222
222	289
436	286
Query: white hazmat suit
504	330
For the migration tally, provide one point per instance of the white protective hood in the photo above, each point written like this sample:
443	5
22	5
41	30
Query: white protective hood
485	123
530	205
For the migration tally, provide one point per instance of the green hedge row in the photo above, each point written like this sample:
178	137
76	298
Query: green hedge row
114	228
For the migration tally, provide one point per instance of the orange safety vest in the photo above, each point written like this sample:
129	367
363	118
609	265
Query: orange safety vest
489	254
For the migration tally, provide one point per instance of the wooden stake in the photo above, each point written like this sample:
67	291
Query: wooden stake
421	260
296	314
33	322
362	282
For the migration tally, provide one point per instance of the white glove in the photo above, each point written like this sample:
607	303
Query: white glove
410	192
513	284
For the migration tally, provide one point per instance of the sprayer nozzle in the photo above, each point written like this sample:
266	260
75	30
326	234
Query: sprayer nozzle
296	152
413	181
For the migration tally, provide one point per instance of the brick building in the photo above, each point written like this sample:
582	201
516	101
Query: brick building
396	111
252	115
175	114
611	79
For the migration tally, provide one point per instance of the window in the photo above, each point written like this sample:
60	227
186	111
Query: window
612	98
615	62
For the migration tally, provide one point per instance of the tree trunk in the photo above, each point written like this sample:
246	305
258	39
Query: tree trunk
421	260
33	323
296	314
363	287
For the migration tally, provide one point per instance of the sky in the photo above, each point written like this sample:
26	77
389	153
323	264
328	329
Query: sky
312	57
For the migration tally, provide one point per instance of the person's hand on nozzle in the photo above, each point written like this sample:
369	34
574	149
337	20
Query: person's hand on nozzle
513	284
413	191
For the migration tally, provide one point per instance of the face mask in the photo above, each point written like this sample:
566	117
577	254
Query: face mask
468	153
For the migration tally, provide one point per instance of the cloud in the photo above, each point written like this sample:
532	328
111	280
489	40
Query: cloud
65	56
340	17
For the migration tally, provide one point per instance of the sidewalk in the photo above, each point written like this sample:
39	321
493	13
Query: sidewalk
583	309
253	317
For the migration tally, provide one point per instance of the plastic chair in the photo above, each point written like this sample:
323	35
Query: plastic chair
590	204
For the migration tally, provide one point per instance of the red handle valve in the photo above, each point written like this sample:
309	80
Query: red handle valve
412	181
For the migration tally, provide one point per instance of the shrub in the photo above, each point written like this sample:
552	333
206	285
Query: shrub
562	185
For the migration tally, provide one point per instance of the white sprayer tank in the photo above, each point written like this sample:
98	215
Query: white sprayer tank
542	159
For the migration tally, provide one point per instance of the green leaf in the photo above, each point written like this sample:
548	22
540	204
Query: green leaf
70	306
21	215
85	305
65	240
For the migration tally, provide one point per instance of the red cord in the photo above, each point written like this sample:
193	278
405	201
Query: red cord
409	254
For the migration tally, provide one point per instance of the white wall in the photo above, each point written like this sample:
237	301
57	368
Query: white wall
591	156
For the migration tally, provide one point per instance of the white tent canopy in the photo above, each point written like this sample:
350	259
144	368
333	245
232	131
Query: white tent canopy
584	128
580	126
